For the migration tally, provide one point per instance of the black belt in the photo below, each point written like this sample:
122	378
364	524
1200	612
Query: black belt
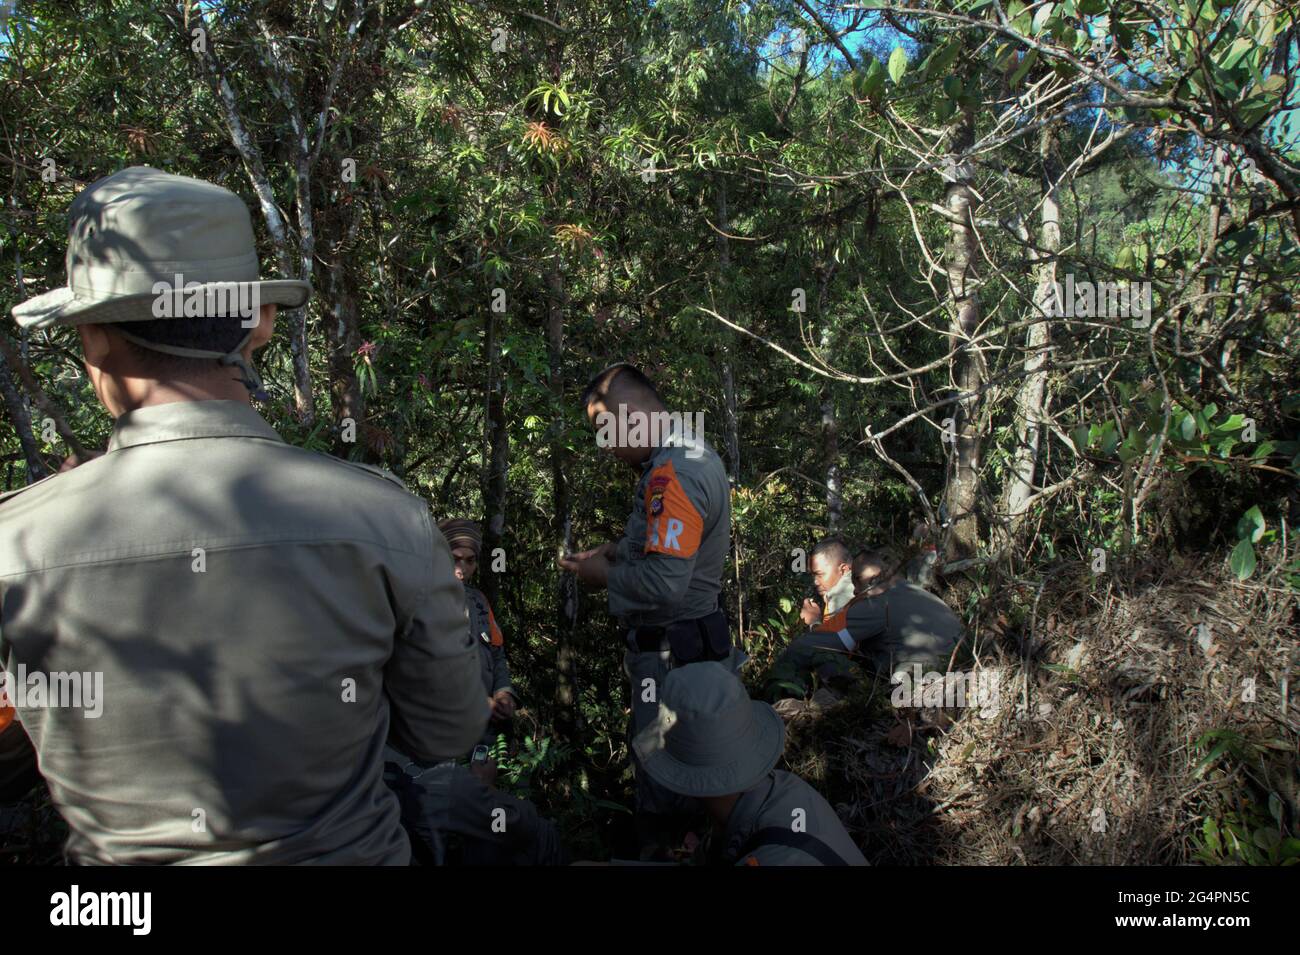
691	641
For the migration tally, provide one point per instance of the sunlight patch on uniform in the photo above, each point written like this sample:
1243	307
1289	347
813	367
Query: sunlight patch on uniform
673	525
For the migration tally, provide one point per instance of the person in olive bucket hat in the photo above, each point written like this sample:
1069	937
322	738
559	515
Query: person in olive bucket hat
712	742
239	625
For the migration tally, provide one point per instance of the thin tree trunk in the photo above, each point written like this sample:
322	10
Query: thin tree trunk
1033	388
566	669
19	413
344	338
13	362
831	446
22	422
184	17
729	403
962	493
497	439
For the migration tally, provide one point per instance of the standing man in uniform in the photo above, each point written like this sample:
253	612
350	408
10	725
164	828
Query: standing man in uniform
263	618
447	798
466	543
664	575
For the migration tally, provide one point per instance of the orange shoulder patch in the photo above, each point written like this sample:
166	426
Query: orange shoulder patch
494	632
673	525
6	717
835	622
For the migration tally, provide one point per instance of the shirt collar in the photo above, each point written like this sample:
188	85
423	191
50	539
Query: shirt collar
181	420
838	597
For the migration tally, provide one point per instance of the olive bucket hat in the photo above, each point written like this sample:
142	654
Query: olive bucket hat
144	245
710	738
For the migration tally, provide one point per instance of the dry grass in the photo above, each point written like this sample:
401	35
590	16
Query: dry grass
1089	754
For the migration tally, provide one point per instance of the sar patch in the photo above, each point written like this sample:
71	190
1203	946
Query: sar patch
674	526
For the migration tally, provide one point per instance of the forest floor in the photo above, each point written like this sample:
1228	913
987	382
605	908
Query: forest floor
1139	722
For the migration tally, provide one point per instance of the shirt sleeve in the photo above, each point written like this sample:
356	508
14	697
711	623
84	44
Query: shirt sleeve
676	506
497	646
436	699
865	619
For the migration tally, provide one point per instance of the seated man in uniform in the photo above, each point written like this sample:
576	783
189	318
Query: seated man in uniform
891	624
710	741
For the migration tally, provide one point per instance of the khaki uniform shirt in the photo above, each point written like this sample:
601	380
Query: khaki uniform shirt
264	618
485	633
670	558
785	803
905	624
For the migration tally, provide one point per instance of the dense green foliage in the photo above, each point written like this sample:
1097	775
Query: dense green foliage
824	224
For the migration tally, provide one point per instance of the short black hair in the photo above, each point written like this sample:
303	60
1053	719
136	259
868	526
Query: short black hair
208	334
869	558
832	548
598	388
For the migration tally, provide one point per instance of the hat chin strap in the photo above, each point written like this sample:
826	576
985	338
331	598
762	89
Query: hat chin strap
248	376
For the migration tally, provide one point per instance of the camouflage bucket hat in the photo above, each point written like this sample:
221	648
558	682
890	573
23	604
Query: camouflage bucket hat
710	738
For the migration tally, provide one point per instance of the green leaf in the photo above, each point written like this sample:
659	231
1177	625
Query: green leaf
1267	839
897	64
874	79
1110	438
1242	560
1274	84
942	58
1211	832
1240	47
1251	525
1026	63
1080	438
1041	17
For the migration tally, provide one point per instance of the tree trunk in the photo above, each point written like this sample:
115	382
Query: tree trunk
1029	400
962	493
22	422
497	438
566	669
729	404
831	446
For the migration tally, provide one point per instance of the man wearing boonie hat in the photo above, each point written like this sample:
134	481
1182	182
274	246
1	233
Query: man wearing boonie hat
712	742
263	618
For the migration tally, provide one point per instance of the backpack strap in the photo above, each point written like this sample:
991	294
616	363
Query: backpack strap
781	836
